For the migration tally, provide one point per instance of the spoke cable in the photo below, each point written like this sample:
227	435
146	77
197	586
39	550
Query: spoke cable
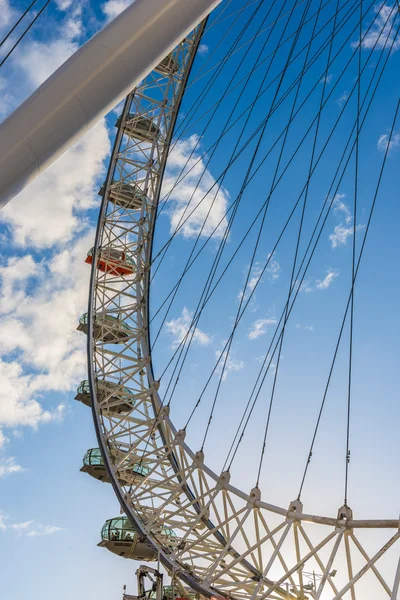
21	37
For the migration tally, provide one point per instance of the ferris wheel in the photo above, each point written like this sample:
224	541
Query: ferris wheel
213	537
233	151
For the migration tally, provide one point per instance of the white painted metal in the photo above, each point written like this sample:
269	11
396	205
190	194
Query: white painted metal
87	86
228	542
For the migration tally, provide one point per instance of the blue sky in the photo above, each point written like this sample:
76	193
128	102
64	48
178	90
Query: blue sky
50	513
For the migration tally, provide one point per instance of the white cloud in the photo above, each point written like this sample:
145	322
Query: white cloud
33	61
206	209
343	231
6	14
40	60
330	276
257	272
29	528
179	327
69	187
6	98
308	286
254	279
41	349
8	466
341	234
382	33
60	195
41	299
342	99
113	8
21	526
305	327
384	141
203	49
45	238
305	286
3	439
259	328
231	365
327	78
273	268
340	207
64	4
44	530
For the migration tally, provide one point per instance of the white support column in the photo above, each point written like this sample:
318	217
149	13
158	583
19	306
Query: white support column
396	584
87	86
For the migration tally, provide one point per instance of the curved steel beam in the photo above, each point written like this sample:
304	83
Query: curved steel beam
89	84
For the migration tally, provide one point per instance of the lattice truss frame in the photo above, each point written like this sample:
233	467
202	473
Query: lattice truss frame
228	542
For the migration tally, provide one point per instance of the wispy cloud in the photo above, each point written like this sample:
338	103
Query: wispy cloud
231	365
305	327
44	530
45	237
203	49
179	327
113	8
3	525
62	193
323	284
342	99
28	528
8	466
382	32
21	526
340	207
259	328
41	349
257	274
327	78
308	286
383	142
6	14
341	234
343	231
193	208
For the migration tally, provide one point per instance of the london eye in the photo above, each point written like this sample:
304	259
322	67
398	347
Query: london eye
240	227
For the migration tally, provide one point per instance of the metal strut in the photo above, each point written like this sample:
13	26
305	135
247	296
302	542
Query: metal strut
89	84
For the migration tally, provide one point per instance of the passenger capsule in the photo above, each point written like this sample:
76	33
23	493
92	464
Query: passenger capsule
113	261
119	537
113	397
109	329
168	66
140	127
125	195
94	466
171	592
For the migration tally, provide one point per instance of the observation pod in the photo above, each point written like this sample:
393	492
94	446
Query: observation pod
118	399
168	66
140	127
109	329
113	261
119	537
125	195
93	465
171	592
